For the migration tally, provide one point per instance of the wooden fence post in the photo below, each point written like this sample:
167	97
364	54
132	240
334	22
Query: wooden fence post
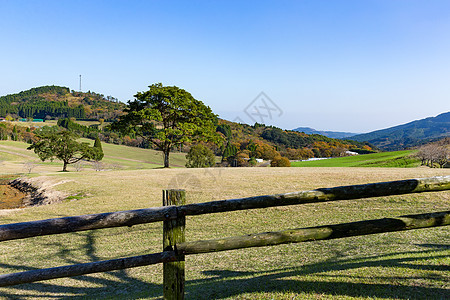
173	234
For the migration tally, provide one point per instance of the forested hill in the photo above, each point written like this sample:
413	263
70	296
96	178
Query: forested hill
48	102
408	135
291	144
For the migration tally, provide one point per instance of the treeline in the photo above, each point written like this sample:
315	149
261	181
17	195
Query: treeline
42	110
435	154
12	132
85	131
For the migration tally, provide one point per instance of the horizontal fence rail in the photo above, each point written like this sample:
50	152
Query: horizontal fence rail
336	231
87	268
327	232
157	214
85	222
390	188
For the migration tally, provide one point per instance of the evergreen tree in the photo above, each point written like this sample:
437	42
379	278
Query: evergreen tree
98	146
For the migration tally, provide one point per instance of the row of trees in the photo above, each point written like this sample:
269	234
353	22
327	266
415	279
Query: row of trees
435	154
42	110
16	133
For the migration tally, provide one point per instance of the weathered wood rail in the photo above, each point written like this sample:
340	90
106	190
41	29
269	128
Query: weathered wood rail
174	211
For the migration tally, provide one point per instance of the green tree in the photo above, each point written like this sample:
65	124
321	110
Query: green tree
200	156
14	134
168	116
229	152
98	146
63	145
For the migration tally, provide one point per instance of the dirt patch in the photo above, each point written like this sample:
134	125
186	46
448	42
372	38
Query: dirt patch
32	191
10	197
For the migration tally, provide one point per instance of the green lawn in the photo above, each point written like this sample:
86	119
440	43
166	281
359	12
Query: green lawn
395	159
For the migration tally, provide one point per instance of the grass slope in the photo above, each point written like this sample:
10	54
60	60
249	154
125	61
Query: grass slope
395	159
14	154
402	265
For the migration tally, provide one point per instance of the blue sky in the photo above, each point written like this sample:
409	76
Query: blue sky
353	66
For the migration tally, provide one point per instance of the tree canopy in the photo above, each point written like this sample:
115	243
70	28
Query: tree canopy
168	116
62	145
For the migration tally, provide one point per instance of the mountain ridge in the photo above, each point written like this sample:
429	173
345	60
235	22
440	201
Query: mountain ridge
410	134
327	133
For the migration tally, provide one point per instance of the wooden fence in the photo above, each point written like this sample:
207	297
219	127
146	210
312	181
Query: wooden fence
173	214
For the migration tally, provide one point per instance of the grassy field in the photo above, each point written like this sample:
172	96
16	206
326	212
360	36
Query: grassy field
14	154
395	159
403	265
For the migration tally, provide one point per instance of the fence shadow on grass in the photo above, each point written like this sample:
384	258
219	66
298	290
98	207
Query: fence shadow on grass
310	279
226	283
90	287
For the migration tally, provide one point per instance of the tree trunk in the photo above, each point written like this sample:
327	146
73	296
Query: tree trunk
65	166
166	158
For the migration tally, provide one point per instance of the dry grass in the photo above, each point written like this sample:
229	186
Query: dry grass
402	265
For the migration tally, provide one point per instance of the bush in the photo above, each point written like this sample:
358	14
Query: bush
200	156
280	162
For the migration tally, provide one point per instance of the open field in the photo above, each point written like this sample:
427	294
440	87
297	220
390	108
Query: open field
395	159
403	265
14	154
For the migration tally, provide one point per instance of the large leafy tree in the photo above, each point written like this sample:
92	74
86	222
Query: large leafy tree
62	145
168	116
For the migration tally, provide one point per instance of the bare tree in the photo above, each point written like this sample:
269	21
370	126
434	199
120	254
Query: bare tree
79	165
435	153
98	165
29	166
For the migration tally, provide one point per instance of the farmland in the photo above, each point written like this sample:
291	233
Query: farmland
405	265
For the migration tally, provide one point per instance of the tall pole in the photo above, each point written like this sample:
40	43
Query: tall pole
80	83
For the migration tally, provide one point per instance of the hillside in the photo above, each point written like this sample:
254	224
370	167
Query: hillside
291	144
13	156
49	102
410	134
330	134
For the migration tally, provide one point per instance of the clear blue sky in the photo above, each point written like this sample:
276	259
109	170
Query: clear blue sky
352	66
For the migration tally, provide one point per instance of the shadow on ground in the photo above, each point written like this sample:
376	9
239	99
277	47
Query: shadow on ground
310	279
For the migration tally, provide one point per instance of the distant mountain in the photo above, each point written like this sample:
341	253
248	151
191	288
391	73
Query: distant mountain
330	134
408	135
49	102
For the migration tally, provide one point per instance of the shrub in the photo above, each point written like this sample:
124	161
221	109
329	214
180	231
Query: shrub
280	162
200	156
